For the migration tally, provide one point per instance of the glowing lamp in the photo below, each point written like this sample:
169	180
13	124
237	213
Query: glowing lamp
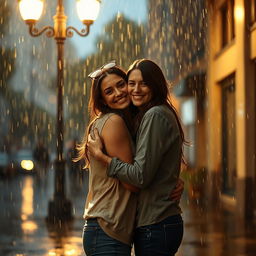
31	10
88	10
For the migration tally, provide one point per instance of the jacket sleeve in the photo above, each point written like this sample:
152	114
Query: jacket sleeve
154	138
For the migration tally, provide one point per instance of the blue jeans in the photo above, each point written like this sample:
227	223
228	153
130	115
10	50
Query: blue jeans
97	242
163	238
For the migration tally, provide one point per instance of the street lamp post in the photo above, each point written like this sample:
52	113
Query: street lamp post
60	207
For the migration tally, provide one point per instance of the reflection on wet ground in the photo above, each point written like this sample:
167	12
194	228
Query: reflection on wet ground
23	227
216	232
25	232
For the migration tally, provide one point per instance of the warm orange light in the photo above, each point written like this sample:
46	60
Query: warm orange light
27	198
239	13
27	165
88	10
29	226
31	9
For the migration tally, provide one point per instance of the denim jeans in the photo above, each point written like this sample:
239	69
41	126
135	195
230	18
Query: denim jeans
163	238
97	242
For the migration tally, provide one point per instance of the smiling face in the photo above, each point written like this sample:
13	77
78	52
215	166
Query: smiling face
114	92
140	93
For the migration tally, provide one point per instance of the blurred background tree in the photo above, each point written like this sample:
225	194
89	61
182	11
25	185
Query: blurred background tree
21	120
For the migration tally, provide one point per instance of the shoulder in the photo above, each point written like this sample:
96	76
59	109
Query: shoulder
114	120
109	118
115	134
160	116
159	112
106	123
114	125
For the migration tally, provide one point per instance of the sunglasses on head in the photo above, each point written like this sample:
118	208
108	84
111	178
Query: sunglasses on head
98	72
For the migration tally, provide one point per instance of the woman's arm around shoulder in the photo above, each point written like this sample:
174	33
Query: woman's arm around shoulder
117	141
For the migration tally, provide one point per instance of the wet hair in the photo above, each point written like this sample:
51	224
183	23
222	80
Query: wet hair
153	76
96	107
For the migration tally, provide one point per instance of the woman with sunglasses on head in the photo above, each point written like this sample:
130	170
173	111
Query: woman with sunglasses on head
111	205
156	165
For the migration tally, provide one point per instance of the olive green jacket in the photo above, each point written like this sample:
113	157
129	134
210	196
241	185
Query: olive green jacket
156	165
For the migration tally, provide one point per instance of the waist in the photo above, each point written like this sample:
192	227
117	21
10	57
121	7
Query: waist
148	215
92	220
170	220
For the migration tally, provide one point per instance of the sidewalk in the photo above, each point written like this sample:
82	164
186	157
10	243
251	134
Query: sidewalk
216	233
24	231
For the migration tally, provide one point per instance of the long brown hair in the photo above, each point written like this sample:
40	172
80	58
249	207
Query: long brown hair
153	76
96	107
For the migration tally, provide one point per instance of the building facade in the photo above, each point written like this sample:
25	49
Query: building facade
208	48
231	99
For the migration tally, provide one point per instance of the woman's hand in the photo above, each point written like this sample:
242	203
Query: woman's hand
95	146
178	190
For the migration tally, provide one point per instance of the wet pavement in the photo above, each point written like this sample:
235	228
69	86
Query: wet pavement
216	232
24	231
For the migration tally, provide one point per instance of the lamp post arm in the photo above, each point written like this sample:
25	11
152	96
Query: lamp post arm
84	32
33	31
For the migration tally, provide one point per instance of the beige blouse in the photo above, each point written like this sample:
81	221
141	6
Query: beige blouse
108	200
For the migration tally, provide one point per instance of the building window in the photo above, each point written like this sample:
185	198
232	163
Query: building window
232	18
224	30
228	135
227	22
253	11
